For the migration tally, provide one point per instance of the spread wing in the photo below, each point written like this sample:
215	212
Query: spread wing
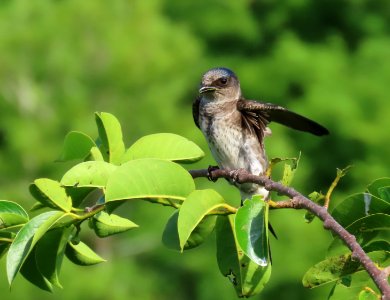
257	115
195	111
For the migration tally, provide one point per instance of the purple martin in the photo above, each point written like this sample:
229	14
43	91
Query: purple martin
235	127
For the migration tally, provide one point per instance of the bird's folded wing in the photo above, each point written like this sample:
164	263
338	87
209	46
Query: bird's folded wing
195	111
259	114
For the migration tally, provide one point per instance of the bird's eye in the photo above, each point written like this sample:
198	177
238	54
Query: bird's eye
223	80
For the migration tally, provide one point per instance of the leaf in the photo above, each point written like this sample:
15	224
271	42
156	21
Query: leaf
77	145
358	206
330	270
251	228
197	205
149	178
350	286
81	254
89	174
11	214
165	146
247	277
170	237
105	225
289	170
5	241
373	187
384	193
51	194
364	229
30	271
318	198
26	238
50	251
110	134
367	295
82	195
95	154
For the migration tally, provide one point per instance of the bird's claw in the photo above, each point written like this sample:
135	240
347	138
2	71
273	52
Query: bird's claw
210	170
235	175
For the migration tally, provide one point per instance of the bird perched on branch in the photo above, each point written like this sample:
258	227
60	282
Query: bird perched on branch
235	127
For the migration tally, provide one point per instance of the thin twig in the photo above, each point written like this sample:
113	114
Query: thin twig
298	201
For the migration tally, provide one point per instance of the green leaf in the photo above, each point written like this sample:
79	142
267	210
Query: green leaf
350	286
247	277
170	237
149	178
166	146
105	225
30	271
110	134
384	193
251	228
50	251
289	170
5	241
77	145
358	206
95	154
197	205
330	270
318	198
26	238
89	174
364	229
11	214
83	195
81	254
51	194
373	187
367	295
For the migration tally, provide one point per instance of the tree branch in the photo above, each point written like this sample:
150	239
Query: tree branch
298	201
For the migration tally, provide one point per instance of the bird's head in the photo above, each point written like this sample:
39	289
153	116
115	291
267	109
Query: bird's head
220	84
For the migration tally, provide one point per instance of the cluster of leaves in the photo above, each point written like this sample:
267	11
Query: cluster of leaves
109	175
151	170
366	216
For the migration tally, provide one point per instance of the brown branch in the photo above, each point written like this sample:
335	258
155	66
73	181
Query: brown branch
298	201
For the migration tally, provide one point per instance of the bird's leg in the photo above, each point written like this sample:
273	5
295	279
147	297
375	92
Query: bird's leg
210	170
235	175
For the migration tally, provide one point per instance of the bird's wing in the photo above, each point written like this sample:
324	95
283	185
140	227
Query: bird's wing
195	111
259	114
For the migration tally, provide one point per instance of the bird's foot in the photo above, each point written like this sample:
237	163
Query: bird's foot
235	175
210	170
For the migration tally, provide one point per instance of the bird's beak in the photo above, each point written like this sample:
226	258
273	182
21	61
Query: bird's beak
205	89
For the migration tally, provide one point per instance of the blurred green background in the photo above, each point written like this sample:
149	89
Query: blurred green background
60	61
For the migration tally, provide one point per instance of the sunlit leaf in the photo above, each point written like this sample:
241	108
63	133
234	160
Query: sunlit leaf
350	286
77	145
164	146
26	239
368	294
81	254
105	224
11	214
197	205
170	237
51	194
88	174
247	277
251	228
149	178
110	134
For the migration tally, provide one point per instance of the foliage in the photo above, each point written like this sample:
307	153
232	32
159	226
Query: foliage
142	60
36	247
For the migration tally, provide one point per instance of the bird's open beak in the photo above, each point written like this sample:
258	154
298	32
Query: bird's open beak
205	89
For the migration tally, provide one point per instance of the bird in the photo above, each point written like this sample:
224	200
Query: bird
235	127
